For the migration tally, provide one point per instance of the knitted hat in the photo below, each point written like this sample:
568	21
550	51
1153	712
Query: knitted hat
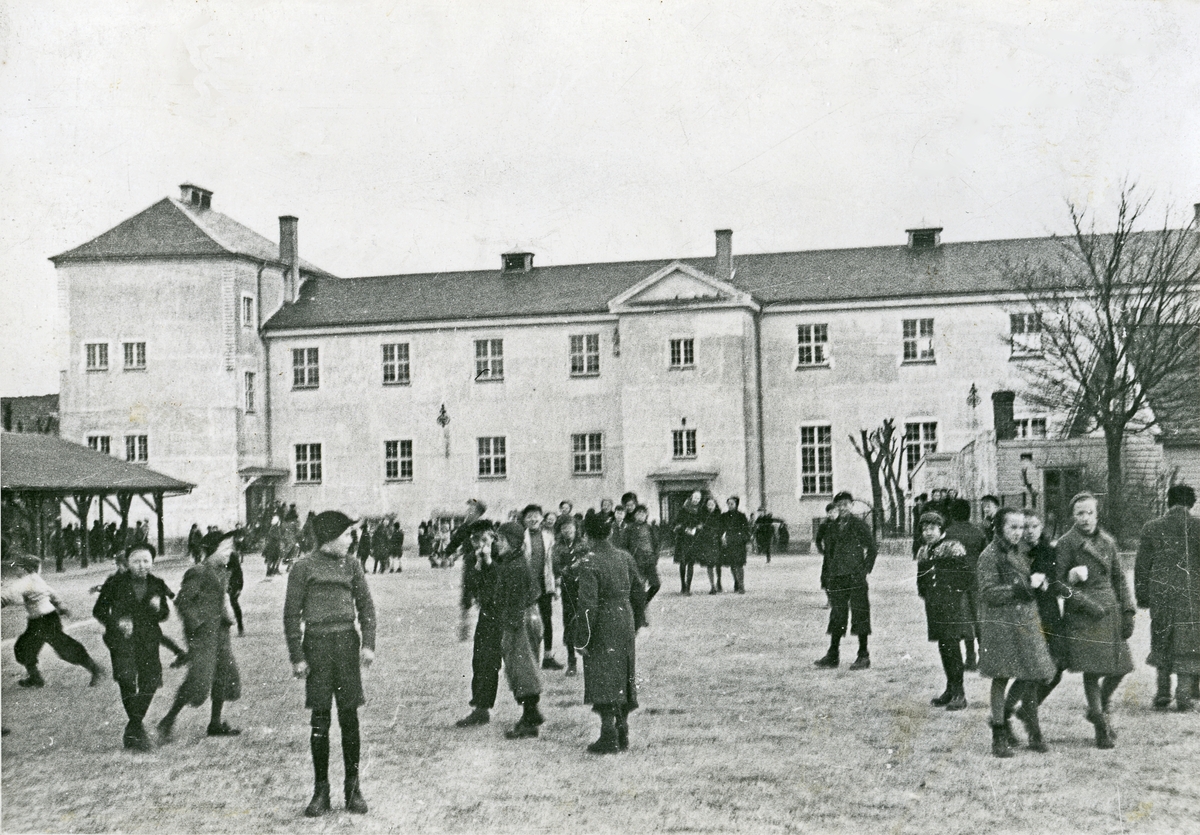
932	517
513	533
329	525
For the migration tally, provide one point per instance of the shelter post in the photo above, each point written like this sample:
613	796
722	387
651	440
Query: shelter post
158	512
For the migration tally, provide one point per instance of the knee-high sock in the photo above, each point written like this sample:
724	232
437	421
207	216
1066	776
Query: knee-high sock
952	665
215	716
351	744
1091	689
319	743
1108	686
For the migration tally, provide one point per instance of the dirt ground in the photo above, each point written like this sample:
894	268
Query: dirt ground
737	732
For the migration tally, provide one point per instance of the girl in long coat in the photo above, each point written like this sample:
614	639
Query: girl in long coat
708	544
1011	644
612	606
942	579
1098	612
735	536
132	605
691	517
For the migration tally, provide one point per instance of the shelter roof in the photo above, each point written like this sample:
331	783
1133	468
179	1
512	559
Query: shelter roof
173	229
46	463
832	275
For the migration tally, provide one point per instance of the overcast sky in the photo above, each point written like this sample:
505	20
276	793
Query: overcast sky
412	137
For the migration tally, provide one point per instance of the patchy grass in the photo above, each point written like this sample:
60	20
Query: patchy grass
737	732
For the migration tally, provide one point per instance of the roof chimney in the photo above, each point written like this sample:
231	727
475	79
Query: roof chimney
926	238
194	196
516	262
1196	208
1002	415
724	267
289	254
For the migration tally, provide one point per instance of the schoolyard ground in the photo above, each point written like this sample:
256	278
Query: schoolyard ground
737	731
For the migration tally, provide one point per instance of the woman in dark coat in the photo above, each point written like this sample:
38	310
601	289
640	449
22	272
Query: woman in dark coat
942	579
691	517
1011	645
612	607
1098	612
735	536
131	606
708	544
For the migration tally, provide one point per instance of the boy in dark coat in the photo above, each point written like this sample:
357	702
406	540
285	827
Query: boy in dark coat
641	541
516	608
326	593
1166	580
849	558
131	606
973	540
942	578
478	586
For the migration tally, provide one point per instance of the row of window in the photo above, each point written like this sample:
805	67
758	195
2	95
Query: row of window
1025	340
137	447
96	356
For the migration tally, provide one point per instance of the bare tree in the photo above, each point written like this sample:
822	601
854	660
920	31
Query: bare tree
889	446
870	452
880	449
1117	314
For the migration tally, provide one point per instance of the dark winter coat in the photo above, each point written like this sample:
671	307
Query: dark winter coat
708	540
942	581
687	528
1011	644
135	660
640	540
1097	613
735	536
1166	579
612	606
850	550
1043	559
211	667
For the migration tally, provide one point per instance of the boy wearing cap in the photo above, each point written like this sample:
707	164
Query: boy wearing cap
203	603
849	558
516	608
44	613
326	593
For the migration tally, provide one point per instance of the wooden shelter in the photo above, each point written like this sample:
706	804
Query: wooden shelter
37	470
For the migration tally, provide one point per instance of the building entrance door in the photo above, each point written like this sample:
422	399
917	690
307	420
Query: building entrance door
258	497
1060	486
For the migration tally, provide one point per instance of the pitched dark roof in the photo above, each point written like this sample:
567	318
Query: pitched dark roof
48	463
172	229
833	275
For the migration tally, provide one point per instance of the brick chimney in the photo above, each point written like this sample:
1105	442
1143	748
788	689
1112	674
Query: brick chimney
289	254
927	237
724	267
1002	415
1196	209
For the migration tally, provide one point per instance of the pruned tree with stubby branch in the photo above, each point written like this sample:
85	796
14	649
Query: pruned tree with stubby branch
880	449
1118	315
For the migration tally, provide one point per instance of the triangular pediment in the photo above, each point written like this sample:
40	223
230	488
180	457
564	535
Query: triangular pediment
680	285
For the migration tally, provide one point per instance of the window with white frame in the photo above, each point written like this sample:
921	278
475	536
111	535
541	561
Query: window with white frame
1031	427
308	463
100	443
97	356
918	340
683	353
920	439
395	364
1025	333
587	453
397	460
137	449
816	460
813	344
135	355
249	392
493	457
585	355
248	312
683	443
306	368
489	359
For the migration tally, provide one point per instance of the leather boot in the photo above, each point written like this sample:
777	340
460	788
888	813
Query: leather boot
33	678
622	723
1103	734
1000	746
1029	718
607	743
319	804
354	799
1162	695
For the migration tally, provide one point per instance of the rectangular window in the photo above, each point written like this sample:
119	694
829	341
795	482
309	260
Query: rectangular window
493	459
306	372
137	449
397	460
683	353
249	391
248	312
489	359
1031	427
918	340
816	460
308	463
100	443
683	443
135	356
813	344
919	440
587	453
1026	334
395	364
97	356
585	355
